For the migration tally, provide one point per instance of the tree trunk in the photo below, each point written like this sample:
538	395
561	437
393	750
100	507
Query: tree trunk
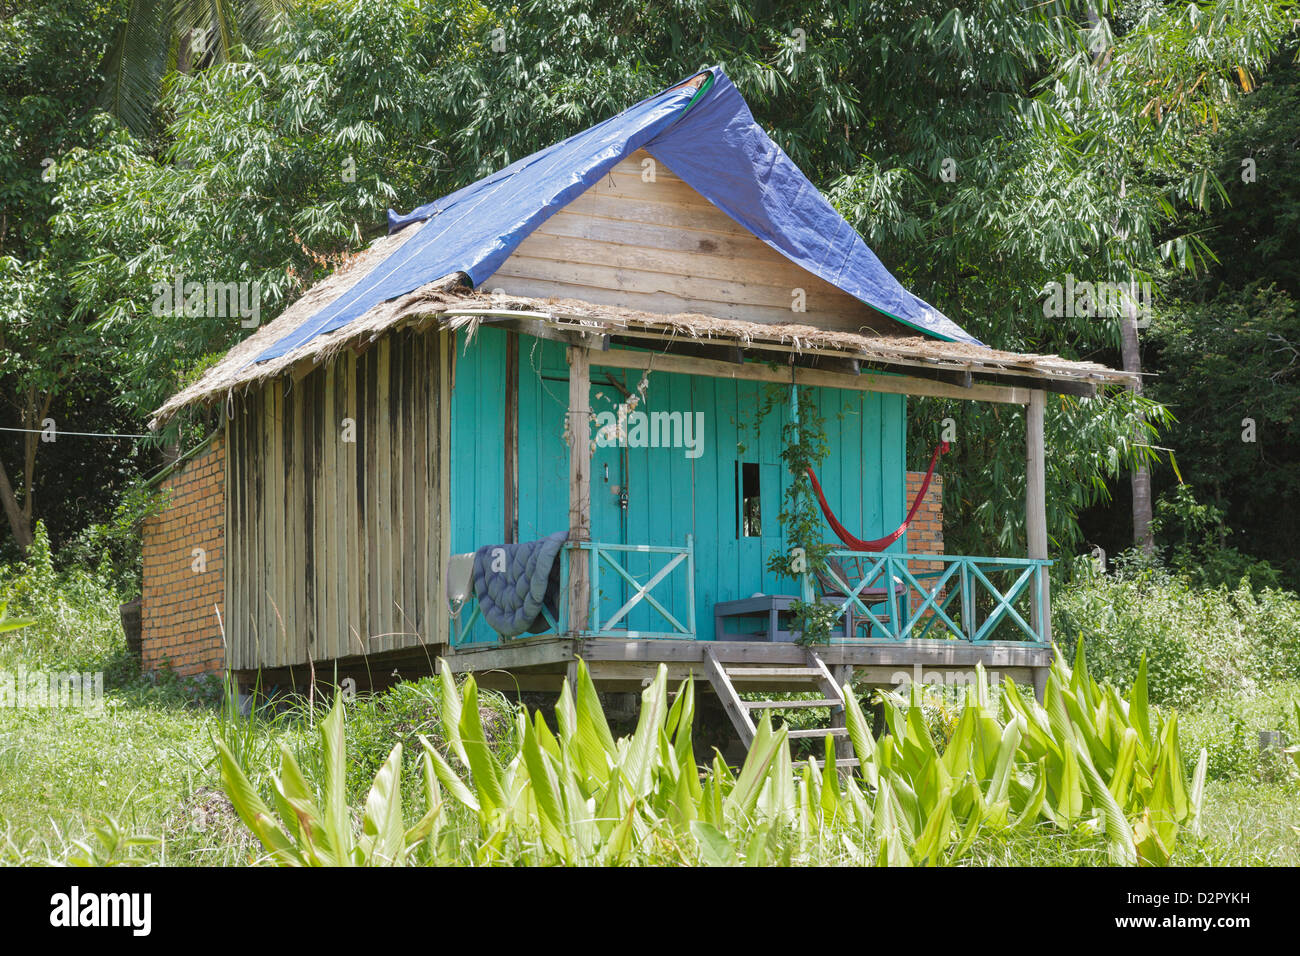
19	523
1140	479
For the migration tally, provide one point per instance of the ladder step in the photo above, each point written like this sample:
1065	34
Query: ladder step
788	704
748	673
817	732
842	764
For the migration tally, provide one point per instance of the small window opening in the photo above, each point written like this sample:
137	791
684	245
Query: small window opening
748	500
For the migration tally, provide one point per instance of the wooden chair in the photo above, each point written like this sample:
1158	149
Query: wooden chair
851	571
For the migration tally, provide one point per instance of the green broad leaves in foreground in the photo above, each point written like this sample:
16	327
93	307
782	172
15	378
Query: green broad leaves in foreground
1084	760
8	623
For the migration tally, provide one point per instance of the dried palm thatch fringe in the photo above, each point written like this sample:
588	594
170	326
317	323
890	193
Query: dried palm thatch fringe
432	302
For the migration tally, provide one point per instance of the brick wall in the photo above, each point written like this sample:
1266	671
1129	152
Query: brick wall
925	534
179	621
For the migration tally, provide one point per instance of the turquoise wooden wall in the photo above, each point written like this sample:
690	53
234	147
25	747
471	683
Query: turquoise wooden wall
669	495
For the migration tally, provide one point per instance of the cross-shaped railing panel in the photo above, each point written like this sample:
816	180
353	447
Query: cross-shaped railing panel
899	596
609	575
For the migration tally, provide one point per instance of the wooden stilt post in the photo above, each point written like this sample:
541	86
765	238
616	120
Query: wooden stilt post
1036	510
1040	683
843	674
579	485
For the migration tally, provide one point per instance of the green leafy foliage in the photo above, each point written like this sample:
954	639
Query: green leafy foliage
1199	643
1042	107
309	828
49	367
1248	739
1231	375
49	53
116	544
1196	537
8	623
1091	442
1087	760
1248	233
274	169
113	845
72	615
161	35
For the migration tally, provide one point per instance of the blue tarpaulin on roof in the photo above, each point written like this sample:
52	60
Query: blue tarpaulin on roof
707	137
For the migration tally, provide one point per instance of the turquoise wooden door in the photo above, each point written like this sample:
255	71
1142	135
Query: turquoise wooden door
543	453
643	493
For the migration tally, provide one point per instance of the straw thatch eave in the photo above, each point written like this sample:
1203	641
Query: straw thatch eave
450	301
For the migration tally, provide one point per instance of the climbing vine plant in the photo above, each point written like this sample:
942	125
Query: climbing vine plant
803	445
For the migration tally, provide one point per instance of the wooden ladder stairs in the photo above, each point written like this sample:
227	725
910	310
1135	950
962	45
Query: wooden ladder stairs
730	678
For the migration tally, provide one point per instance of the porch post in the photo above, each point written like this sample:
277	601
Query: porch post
579	484
1036	509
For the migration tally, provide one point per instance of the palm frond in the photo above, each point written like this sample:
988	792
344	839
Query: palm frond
135	63
148	43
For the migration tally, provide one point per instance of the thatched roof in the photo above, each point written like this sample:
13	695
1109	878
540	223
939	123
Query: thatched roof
449	300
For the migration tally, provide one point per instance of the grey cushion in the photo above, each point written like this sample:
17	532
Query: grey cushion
514	582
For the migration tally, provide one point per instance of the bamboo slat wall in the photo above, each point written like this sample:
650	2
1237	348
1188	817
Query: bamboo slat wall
336	545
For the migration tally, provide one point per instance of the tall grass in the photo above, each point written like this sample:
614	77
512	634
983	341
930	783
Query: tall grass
75	623
1199	643
78	784
76	787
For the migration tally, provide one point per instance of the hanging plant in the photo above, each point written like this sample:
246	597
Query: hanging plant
803	445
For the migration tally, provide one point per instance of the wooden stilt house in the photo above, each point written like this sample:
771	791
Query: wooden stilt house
581	344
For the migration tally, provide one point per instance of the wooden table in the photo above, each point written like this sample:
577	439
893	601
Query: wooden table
769	606
772	606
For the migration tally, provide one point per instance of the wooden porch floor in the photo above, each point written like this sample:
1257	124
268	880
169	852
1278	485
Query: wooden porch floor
617	665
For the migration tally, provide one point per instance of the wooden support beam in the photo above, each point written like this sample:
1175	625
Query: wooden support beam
1055	385
446	364
949	655
966	379
579	484
538	329
1014	382
1036	508
755	372
1040	675
546	652
829	363
721	351
512	434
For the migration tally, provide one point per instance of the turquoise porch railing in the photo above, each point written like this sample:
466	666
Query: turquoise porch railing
975	599
608	575
885	597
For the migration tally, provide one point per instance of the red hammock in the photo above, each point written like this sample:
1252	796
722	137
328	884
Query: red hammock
880	544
